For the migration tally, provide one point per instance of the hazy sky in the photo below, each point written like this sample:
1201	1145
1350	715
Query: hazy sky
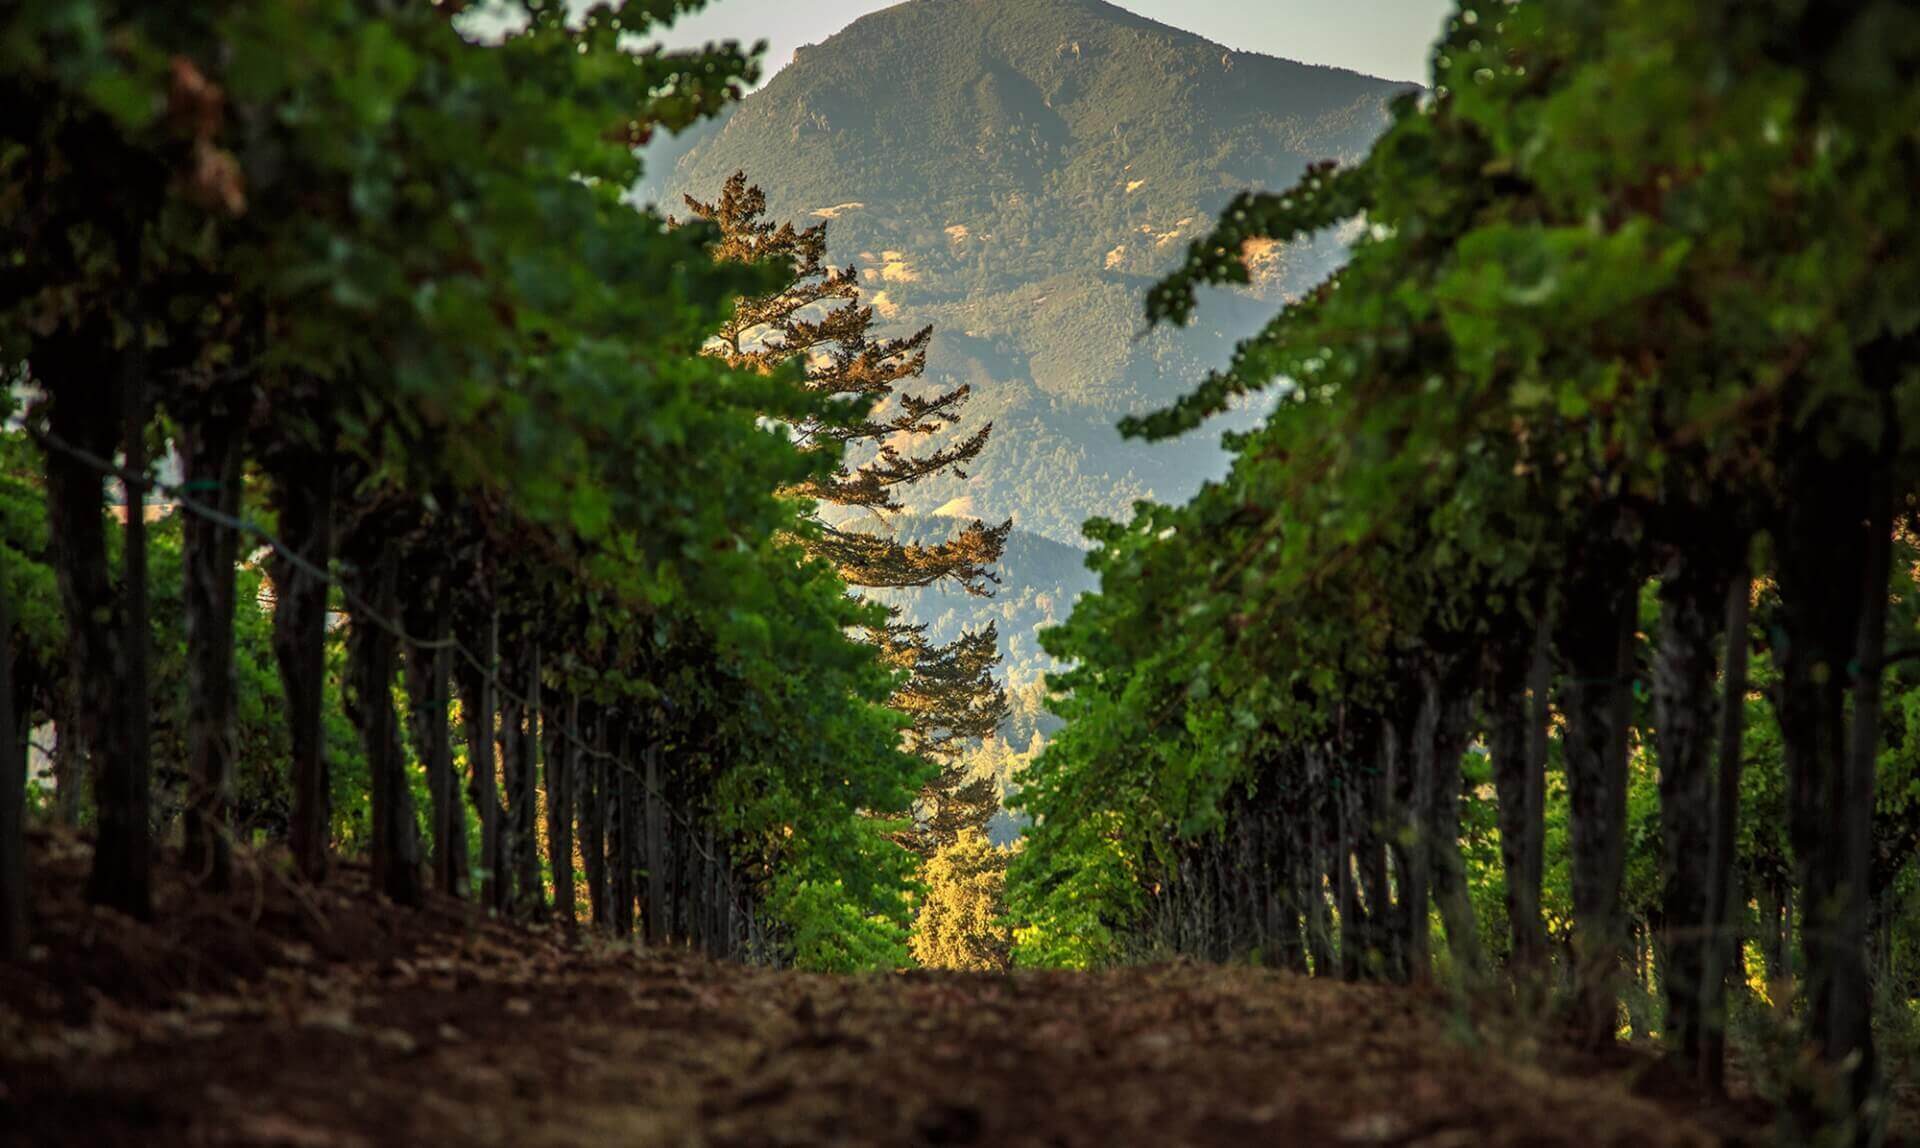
1385	38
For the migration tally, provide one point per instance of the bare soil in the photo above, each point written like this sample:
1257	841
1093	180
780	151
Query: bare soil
322	1018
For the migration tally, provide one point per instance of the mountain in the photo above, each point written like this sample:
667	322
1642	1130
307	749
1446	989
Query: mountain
1017	173
1039	580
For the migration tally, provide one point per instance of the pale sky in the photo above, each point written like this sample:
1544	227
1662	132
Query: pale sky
1386	38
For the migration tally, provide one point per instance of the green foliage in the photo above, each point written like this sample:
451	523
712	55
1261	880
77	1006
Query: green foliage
23	515
960	922
1627	289
831	935
1072	899
259	796
34	601
400	236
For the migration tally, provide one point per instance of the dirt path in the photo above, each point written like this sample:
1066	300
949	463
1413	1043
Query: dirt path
383	1027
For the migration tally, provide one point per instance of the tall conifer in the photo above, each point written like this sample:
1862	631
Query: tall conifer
817	319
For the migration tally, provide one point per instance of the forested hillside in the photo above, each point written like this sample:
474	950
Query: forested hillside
1038	580
1016	173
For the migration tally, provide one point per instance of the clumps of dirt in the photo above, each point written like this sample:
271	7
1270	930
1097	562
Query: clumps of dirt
303	1018
84	958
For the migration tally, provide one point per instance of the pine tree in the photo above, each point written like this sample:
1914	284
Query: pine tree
817	318
952	699
961	923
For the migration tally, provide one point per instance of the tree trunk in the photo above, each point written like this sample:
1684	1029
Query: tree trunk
123	844
482	783
710	898
677	847
1692	607
1319	932
69	757
623	852
659	911
371	649
723	889
1452	714
429	690
1395	815
83	415
1311	882
1723	930
1372	860
1849	1030
1596	644
1833	577
592	797
1416	886
1284	906
563	759
211	446
13	792
1353	921
304	490
512	734
1516	710
529	897
416	672
1539	727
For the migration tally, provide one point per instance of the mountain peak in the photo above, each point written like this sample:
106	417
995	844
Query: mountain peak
1024	17
1016	172
1089	9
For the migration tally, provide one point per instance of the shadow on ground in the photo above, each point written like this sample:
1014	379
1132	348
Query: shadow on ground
306	1018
